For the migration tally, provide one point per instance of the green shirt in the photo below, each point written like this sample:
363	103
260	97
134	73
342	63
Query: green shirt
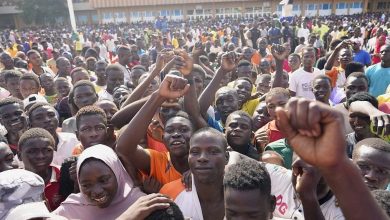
281	147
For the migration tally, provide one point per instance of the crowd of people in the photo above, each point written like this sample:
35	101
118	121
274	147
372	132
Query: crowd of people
261	118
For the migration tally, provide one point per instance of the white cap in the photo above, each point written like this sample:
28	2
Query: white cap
33	98
29	211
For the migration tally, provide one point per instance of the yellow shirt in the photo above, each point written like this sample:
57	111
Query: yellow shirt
175	43
250	106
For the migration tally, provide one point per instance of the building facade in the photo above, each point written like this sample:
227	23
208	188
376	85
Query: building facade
117	11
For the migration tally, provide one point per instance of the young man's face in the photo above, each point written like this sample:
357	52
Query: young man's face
79	75
308	58
177	134
7	61
238	131
35	59
28	87
13	118
7	161
354	85
119	95
64	66
226	102
198	82
13	87
91	130
277	100
62	88
248	204
244	71
294	62
207	158
321	90
244	89
115	78
44	117
37	154
264	85
135	75
47	81
109	108
345	56
360	123
100	70
84	95
374	166
260	117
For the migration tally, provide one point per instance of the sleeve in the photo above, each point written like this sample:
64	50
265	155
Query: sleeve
214	124
292	84
157	162
367	59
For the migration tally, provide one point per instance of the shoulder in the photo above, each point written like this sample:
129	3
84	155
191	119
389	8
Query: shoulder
67	136
173	189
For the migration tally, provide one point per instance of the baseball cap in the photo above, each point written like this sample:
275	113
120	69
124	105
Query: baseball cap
17	187
31	99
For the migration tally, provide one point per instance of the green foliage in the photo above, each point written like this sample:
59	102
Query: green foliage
42	11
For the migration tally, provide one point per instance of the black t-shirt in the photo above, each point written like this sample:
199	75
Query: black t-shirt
255	34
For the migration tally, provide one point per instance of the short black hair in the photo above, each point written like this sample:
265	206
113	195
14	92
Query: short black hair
278	91
32	52
78	84
295	54
243	63
248	175
33	133
180	114
115	67
173	212
241	114
359	75
363	96
90	110
322	76
35	106
8	74
215	133
10	101
246	79
31	76
382	197
375	143
138	67
353	67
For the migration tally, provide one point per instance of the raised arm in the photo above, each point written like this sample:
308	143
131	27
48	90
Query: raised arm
313	130
207	96
125	114
140	89
127	145
280	53
334	55
184	64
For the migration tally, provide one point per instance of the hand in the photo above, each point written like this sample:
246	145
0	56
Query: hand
381	123
262	139
186	179
305	179
279	52
151	185
184	63
197	49
343	44
228	62
173	87
313	130
145	206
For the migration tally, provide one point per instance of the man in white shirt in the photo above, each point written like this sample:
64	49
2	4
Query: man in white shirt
124	58
301	80
115	78
303	31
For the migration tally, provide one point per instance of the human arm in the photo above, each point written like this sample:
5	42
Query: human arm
145	206
184	64
207	96
305	184
381	120
196	53
125	114
140	89
334	55
313	130
127	145
280	53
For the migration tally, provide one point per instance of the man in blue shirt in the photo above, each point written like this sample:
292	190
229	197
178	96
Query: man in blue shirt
274	34
379	74
360	55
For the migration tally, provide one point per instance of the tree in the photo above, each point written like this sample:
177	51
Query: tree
42	11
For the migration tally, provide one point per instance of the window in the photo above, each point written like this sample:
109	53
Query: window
326	6
340	5
296	7
248	10
177	12
311	7
190	12
135	14
199	11
148	14
280	7
228	10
